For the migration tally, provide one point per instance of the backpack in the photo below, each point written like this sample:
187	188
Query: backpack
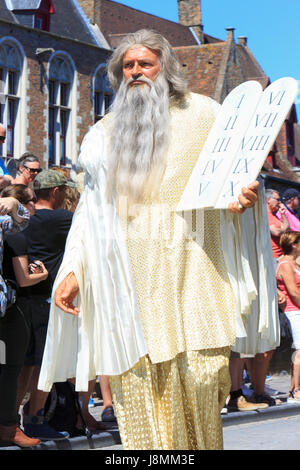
62	409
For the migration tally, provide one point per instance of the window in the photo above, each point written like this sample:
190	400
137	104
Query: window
59	91
42	21
103	94
11	64
32	13
42	15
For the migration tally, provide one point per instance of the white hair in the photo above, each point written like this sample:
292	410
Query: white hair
158	43
139	130
138	138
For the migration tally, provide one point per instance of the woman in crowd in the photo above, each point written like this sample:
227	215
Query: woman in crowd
288	281
14	328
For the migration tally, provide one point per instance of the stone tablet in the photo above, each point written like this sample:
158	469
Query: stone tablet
221	146
273	107
238	143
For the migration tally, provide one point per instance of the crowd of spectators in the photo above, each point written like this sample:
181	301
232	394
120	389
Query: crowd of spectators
45	200
31	259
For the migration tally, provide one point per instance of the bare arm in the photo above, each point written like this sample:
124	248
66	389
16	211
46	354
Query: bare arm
287	274
285	225
23	276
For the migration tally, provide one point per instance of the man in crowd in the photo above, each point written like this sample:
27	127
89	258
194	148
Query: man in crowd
28	168
291	201
154	302
278	225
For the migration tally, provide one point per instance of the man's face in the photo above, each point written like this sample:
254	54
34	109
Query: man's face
295	203
30	170
274	202
140	62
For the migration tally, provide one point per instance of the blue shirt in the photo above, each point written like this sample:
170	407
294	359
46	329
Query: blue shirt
3	169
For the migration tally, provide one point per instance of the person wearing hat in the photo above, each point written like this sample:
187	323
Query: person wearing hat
46	236
291	200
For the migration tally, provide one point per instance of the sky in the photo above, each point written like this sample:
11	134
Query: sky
271	26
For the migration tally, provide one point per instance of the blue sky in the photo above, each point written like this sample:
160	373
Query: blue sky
271	26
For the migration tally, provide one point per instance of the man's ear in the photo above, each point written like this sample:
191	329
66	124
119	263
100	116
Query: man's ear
54	191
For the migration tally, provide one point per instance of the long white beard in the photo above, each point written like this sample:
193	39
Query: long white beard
138	138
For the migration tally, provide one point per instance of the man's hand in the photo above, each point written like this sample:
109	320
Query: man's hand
282	209
281	300
247	199
65	294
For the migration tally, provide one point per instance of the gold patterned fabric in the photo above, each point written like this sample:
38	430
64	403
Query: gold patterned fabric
184	295
172	398
175	404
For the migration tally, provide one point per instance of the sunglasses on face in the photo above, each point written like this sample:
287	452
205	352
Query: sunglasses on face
33	199
33	170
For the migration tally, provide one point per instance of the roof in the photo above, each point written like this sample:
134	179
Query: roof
201	66
117	20
77	27
214	69
23	4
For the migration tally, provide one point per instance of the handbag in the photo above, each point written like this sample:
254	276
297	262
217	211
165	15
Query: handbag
8	295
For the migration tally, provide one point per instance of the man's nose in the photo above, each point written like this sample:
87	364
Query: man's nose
136	71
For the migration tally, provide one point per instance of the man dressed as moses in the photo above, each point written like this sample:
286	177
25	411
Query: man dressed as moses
150	300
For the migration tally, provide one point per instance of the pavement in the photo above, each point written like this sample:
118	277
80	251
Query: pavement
109	437
279	386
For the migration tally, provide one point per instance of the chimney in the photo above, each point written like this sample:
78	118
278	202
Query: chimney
230	34
242	40
189	14
88	7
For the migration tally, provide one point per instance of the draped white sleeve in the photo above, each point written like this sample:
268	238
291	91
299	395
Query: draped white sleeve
106	337
249	260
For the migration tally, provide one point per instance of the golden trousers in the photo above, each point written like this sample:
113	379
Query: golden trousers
173	405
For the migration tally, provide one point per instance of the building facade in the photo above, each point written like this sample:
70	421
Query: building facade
212	66
53	56
53	79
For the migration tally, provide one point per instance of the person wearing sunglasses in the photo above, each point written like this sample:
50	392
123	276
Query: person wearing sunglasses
28	168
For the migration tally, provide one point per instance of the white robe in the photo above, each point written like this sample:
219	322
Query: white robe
108	338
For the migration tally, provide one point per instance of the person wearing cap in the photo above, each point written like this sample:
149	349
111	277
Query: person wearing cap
291	200
46	236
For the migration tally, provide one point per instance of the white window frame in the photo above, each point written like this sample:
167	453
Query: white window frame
70	108
7	65
104	90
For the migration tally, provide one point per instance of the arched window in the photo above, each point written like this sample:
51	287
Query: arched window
61	107
103	94
11	67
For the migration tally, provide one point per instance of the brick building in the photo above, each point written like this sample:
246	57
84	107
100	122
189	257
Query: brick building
212	66
53	78
53	73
